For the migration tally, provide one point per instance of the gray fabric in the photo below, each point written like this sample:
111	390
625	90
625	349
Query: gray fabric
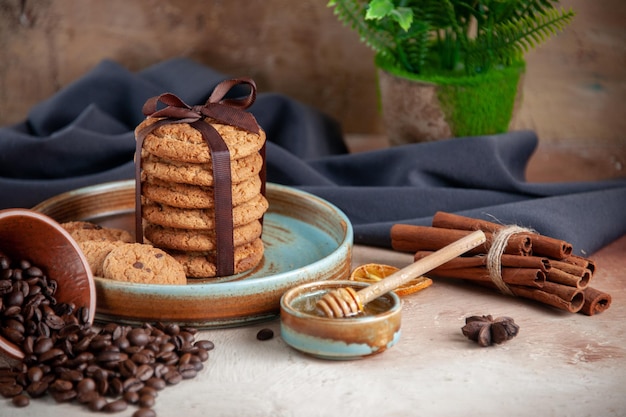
83	135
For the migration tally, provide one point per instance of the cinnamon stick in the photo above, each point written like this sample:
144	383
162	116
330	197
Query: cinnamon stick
550	247
412	238
570	268
561	277
572	302
506	260
454	221
541	245
596	301
580	261
510	276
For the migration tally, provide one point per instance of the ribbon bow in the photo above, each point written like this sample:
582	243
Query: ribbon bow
226	111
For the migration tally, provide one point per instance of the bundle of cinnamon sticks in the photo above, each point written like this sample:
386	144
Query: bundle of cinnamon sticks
524	263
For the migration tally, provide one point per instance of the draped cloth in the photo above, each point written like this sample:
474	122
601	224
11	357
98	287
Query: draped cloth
83	135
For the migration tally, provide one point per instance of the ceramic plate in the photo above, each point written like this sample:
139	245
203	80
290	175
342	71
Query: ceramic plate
306	239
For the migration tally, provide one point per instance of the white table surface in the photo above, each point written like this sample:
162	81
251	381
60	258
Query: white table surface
560	364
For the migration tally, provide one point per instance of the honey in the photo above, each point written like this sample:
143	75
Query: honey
307	304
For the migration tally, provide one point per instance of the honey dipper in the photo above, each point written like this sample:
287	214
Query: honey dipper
345	302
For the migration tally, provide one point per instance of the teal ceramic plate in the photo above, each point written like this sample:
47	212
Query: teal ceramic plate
306	239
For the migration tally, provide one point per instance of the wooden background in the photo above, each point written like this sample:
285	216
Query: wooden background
574	87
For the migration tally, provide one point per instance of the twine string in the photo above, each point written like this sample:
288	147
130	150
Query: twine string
499	242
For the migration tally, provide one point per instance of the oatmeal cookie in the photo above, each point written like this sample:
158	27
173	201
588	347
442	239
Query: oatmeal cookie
181	142
198	240
202	264
195	196
82	231
142	263
198	219
198	174
96	251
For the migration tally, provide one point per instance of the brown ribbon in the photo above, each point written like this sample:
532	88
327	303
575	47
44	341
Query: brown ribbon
217	108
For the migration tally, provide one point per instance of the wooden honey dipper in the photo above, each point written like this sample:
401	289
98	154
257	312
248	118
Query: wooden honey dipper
345	302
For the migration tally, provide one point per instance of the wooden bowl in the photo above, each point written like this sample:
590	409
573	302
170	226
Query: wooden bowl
26	234
343	338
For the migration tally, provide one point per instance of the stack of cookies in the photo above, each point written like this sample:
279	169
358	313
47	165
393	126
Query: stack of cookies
178	206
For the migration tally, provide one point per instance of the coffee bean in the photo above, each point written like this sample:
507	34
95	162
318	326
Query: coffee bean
187	371
132	385
156	383
116	387
148	391
115	406
61	385
13	335
109	356
97	404
131	397
35	374
100	341
8	378
42	345
83	315
9	390
20	400
144	372
122	343
86	385
198	366
50	355
72	375
127	368
69	330
15	298
144	412
169	358
33	271
138	337
173	377
202	354
204	344
265	334
146	401
54	322
87	397
37	388
12	311
63	396
102	385
141	358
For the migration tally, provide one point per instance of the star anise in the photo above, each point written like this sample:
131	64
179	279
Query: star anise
486	330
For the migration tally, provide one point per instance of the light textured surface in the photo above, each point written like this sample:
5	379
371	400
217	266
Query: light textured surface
560	364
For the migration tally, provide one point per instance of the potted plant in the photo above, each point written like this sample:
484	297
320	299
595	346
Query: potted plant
465	58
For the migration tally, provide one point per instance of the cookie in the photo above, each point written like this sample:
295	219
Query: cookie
96	251
202	264
198	174
141	263
198	240
83	231
199	219
195	196
181	142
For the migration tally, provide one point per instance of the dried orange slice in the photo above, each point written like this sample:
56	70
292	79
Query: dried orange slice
371	273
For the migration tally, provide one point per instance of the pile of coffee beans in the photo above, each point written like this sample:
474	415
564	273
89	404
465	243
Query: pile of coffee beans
103	369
